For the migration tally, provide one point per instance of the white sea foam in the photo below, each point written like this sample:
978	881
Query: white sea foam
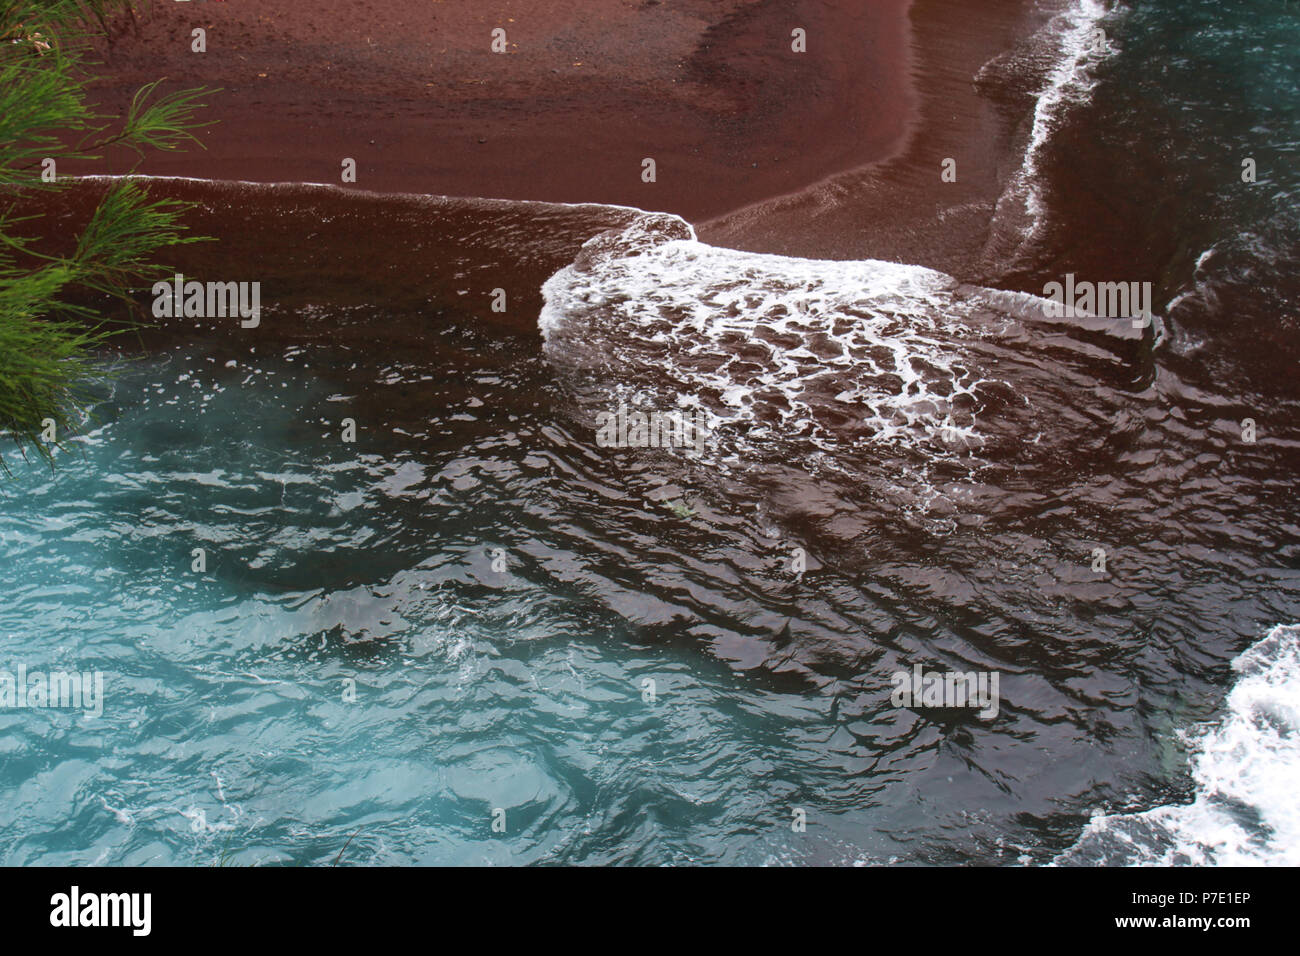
779	346
833	355
1069	83
1073	34
1247	773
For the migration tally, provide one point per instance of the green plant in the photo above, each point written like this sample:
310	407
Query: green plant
47	334
680	509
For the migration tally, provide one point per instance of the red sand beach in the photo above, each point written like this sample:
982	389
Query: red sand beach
710	89
900	208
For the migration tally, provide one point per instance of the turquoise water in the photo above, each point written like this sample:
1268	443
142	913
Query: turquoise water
226	728
228	734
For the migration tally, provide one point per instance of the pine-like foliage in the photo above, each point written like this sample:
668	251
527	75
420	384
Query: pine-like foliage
47	342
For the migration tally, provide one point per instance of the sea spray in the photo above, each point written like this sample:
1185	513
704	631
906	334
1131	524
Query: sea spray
1246	767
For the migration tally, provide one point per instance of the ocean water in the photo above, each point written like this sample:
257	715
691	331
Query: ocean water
1246	767
476	614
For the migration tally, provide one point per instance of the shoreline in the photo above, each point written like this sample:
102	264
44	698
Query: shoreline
711	90
887	203
899	208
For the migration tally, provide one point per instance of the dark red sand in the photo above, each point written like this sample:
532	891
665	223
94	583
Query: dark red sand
900	208
710	89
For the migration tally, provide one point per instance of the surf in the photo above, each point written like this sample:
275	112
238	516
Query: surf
1246	768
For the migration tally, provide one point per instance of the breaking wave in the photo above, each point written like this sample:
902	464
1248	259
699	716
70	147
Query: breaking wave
794	358
1247	772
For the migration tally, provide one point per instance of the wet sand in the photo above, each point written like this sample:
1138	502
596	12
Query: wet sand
900	208
710	89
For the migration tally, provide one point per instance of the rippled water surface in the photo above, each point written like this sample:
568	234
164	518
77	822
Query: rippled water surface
475	614
610	645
